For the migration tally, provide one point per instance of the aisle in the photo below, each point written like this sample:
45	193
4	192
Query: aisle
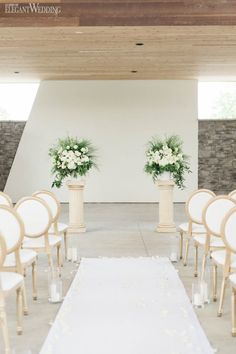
128	306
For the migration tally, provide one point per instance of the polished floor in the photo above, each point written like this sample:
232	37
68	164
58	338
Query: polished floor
115	230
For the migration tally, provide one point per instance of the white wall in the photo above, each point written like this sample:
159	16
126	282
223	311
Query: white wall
119	117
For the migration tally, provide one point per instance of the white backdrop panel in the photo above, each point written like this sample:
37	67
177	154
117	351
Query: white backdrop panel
119	117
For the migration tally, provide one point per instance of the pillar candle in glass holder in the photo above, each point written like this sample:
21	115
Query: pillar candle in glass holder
54	292
54	285
204	292
197	295
173	257
74	254
69	254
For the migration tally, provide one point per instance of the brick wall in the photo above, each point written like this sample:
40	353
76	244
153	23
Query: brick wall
217	155
10	135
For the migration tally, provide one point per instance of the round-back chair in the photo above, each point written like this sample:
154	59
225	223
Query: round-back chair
228	228
12	230
196	203
5	200
53	203
37	219
3	251
213	215
194	207
232	194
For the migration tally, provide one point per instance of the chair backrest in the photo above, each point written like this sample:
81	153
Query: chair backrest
228	230
5	200
215	211
232	194
11	228
196	204
3	250
52	202
35	214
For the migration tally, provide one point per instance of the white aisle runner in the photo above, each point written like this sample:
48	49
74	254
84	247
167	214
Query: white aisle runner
126	306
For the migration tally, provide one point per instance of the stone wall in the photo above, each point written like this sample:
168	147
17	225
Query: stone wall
10	135
217	155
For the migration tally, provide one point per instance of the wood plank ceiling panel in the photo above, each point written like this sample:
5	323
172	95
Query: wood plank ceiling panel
118	53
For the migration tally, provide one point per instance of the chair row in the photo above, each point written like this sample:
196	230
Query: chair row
29	228
212	227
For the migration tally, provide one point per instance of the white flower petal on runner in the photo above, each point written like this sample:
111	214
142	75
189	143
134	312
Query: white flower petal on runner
128	306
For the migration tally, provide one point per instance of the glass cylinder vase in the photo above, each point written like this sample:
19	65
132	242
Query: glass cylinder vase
54	286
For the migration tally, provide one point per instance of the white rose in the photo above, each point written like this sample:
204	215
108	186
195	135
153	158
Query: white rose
71	165
75	146
85	158
77	153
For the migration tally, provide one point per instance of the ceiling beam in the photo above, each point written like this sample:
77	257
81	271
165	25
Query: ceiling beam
118	13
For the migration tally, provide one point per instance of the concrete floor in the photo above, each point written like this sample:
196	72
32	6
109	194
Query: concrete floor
114	230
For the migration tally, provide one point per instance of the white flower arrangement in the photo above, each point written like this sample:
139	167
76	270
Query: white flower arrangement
71	157
167	156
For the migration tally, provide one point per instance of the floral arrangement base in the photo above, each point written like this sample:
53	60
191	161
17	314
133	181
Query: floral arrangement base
76	229
166	228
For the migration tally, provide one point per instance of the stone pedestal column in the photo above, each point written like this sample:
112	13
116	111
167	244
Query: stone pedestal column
166	223
76	206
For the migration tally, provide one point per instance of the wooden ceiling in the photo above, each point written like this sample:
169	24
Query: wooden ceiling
121	13
112	53
192	39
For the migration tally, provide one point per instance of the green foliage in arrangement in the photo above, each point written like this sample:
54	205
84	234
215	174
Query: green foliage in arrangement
71	157
166	155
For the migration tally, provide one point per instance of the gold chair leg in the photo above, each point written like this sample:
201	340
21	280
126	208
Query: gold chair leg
196	261
19	302
203	266
214	274
181	245
222	295
24	301
234	312
65	244
34	280
3	321
50	261
59	258
186	251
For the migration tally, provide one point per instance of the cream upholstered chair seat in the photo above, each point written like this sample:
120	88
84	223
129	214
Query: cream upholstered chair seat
232	278
10	281
60	227
27	257
215	242
195	228
39	242
220	257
